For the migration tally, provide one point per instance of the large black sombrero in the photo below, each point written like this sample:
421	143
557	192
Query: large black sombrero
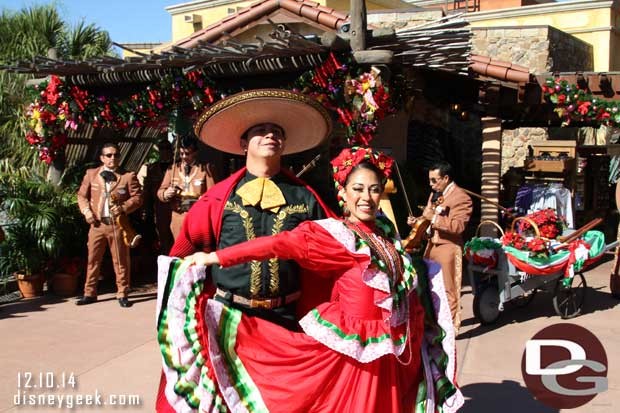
305	121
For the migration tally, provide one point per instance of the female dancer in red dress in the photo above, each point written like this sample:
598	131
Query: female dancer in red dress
368	349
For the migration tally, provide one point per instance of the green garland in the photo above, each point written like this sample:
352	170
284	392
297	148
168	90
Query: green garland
476	244
573	104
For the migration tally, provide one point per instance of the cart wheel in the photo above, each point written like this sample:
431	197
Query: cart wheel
525	299
567	301
486	304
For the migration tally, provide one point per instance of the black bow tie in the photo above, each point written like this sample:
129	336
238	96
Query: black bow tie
108	176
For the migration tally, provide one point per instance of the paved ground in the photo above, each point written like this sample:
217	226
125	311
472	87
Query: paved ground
490	356
112	351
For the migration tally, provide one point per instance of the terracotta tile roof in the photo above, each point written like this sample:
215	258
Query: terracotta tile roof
497	69
310	10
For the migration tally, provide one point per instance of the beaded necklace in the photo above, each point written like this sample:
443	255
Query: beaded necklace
383	249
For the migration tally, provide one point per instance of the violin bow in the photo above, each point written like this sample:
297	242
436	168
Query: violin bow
402	184
309	165
484	198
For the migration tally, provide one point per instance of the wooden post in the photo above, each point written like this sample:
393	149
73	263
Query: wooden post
358	25
358	38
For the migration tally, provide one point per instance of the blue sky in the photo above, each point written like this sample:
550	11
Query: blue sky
127	21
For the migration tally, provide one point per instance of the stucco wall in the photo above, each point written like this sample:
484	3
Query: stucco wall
592	21
211	13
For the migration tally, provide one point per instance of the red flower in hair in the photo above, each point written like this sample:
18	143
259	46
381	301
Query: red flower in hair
350	157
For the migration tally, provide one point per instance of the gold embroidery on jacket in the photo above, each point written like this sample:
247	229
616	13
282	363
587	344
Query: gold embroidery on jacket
274	264
248	226
278	224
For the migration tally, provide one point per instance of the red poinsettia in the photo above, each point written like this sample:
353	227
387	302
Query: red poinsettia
549	225
513	239
537	244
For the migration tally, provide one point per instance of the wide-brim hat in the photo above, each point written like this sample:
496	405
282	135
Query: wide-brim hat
305	121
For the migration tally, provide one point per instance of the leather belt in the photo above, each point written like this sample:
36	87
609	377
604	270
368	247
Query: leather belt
265	303
185	205
106	220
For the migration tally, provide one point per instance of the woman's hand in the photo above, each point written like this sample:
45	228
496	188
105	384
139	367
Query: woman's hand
203	259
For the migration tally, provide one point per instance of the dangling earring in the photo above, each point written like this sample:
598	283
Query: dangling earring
345	211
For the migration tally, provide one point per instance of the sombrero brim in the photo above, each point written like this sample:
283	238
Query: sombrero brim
305	121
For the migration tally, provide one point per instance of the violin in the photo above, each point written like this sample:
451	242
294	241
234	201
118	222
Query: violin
418	229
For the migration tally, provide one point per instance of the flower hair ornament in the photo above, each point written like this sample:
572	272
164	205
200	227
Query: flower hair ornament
351	157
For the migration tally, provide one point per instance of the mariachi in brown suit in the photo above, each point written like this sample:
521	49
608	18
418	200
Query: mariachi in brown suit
190	186
446	242
91	197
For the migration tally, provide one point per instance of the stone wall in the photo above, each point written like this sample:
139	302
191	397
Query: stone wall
515	144
540	48
399	19
568	53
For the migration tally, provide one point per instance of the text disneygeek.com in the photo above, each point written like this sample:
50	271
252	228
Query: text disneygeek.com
57	390
69	401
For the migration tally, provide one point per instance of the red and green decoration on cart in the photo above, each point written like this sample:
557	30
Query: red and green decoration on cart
576	105
543	253
525	238
360	100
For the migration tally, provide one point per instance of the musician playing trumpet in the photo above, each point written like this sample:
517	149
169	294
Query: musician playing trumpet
448	209
95	199
184	182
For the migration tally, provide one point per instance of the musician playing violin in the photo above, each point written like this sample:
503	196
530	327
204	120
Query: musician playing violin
448	209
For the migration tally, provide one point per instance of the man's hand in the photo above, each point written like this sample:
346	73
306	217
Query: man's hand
116	210
203	259
411	220
170	193
90	218
428	213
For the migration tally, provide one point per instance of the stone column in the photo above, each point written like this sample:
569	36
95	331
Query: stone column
491	172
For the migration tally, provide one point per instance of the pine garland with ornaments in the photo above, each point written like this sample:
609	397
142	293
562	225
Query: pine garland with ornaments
574	104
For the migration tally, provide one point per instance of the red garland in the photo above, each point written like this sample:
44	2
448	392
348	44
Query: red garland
360	103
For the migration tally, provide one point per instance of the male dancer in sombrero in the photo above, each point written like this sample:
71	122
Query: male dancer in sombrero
260	199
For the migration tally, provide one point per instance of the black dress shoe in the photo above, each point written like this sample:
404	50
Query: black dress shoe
124	302
86	300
